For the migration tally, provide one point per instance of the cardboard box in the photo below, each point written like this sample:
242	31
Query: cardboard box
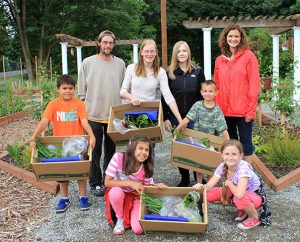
194	158
117	112
154	227
60	171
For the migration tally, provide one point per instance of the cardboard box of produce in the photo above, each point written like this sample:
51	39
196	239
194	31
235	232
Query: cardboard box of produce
154	227
60	171
193	157
118	112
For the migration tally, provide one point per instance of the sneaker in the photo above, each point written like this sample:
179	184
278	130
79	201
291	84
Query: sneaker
241	216
63	205
84	203
249	223
119	228
98	191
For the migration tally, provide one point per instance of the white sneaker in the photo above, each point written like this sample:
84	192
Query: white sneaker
119	228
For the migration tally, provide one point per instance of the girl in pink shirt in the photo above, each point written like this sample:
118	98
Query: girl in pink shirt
126	176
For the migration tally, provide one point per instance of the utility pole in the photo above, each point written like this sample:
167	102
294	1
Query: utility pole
164	49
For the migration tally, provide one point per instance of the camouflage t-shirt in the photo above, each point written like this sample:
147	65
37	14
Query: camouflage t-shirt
207	120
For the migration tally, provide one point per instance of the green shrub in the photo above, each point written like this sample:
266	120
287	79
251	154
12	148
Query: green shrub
283	150
25	160
9	104
15	151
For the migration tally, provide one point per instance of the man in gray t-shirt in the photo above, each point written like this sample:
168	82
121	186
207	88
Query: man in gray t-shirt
99	83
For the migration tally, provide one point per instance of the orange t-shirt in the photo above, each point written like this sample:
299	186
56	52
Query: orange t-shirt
66	116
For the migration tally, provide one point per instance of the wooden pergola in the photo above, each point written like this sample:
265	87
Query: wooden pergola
275	25
68	41
73	41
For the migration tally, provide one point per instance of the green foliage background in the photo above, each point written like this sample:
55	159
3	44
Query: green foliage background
128	19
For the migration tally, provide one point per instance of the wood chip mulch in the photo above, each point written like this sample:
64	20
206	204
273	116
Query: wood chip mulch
23	208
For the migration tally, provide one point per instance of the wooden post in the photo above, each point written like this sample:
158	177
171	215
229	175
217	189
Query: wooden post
22	80
50	69
3	61
164	44
36	70
260	122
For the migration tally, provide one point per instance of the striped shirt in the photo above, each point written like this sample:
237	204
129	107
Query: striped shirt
115	169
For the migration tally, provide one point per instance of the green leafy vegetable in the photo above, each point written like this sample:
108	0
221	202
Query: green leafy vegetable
141	121
44	152
206	142
178	134
152	204
191	199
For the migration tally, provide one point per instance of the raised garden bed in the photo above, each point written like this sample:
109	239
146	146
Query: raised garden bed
27	176
6	119
277	178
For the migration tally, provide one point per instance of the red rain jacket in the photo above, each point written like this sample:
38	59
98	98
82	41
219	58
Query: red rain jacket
238	83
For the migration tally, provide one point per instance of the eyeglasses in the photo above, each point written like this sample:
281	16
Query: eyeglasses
107	42
152	52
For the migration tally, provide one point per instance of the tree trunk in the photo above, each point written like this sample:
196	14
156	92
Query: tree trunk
18	13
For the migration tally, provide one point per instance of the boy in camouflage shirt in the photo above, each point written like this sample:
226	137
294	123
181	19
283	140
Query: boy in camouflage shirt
207	115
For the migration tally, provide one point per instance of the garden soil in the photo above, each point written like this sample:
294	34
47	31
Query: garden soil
41	223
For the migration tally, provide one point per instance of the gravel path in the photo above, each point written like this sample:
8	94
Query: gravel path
42	224
91	225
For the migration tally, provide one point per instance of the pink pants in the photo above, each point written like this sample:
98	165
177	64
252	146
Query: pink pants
116	197
215	194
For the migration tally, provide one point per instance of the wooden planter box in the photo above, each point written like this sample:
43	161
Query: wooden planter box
28	176
6	119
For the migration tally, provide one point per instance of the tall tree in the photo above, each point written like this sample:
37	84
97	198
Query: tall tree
33	22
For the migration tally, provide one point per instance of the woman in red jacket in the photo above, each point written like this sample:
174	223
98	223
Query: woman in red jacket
237	77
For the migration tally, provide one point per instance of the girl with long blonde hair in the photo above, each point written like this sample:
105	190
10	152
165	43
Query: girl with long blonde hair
184	80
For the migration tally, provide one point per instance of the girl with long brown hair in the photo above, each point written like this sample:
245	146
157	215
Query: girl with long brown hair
126	175
241	183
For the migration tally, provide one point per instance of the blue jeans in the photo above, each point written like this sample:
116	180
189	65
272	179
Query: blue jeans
238	129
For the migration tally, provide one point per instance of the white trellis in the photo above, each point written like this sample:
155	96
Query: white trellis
68	41
275	25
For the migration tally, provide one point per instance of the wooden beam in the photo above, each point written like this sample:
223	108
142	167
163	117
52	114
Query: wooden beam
287	180
73	41
277	31
164	50
245	22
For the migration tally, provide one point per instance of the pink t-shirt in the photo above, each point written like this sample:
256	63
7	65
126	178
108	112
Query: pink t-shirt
115	169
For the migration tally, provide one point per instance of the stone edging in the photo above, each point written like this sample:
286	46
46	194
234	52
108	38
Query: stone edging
27	176
6	119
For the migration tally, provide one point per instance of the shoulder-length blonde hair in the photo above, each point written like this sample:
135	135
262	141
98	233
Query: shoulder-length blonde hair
140	66
224	47
175	63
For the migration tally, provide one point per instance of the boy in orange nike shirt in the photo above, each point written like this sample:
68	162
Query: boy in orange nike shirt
68	117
